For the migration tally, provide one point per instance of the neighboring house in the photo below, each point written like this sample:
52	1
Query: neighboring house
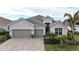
58	28
4	23
76	26
37	26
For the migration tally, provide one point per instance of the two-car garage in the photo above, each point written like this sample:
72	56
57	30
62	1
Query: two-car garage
24	29
21	33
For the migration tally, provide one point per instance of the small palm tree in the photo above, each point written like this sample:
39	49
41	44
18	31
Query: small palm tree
71	21
61	38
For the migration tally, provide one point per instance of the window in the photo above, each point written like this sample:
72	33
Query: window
58	31
77	23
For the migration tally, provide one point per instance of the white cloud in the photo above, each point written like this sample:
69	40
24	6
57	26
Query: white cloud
34	7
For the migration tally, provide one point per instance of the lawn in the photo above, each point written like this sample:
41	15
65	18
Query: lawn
54	47
76	37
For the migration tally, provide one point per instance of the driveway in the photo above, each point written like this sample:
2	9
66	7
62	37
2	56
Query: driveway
23	44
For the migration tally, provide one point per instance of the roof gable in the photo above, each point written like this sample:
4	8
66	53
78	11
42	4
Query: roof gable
57	23
20	21
48	17
36	20
38	17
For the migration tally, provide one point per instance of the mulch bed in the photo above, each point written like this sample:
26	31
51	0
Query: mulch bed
73	42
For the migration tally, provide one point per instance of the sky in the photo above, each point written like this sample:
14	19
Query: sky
15	9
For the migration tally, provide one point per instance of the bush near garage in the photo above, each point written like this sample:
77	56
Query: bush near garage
4	35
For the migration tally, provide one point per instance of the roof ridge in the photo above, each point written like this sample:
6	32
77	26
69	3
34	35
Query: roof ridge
38	21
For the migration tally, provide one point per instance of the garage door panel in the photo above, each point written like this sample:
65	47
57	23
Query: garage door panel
38	32
21	33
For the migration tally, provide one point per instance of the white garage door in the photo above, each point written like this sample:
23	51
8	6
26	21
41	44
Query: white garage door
21	33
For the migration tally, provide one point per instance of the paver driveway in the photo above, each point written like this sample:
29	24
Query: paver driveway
23	44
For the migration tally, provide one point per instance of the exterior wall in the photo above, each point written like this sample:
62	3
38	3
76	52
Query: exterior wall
64	31
10	32
47	21
41	28
4	27
22	24
76	28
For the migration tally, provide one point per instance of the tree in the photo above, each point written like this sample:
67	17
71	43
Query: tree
71	21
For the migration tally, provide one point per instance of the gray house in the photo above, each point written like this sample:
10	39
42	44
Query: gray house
37	26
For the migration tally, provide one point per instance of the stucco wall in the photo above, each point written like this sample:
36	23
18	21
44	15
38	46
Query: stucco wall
59	25
22	24
47	21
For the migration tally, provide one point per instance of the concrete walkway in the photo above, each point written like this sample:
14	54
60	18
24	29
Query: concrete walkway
23	44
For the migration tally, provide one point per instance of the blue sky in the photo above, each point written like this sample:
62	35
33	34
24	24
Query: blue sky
12	9
55	12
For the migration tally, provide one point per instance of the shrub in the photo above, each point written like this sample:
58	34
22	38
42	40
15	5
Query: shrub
7	36
32	35
51	36
4	36
69	36
61	38
47	41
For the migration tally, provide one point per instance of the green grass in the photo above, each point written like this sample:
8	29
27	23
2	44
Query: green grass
76	37
52	47
55	47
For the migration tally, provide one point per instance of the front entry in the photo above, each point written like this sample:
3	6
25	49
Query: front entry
47	28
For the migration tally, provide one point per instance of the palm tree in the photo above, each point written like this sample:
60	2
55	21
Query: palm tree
72	20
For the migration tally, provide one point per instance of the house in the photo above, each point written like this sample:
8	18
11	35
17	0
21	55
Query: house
4	23
77	26
37	26
26	27
58	28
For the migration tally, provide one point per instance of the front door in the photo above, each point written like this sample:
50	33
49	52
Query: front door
47	28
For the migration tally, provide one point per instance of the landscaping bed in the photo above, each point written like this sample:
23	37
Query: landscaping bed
48	41
62	45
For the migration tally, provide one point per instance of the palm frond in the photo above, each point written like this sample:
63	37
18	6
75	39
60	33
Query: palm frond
76	17
76	13
69	15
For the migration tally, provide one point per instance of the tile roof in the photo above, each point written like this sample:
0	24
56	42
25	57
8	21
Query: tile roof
4	21
37	20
